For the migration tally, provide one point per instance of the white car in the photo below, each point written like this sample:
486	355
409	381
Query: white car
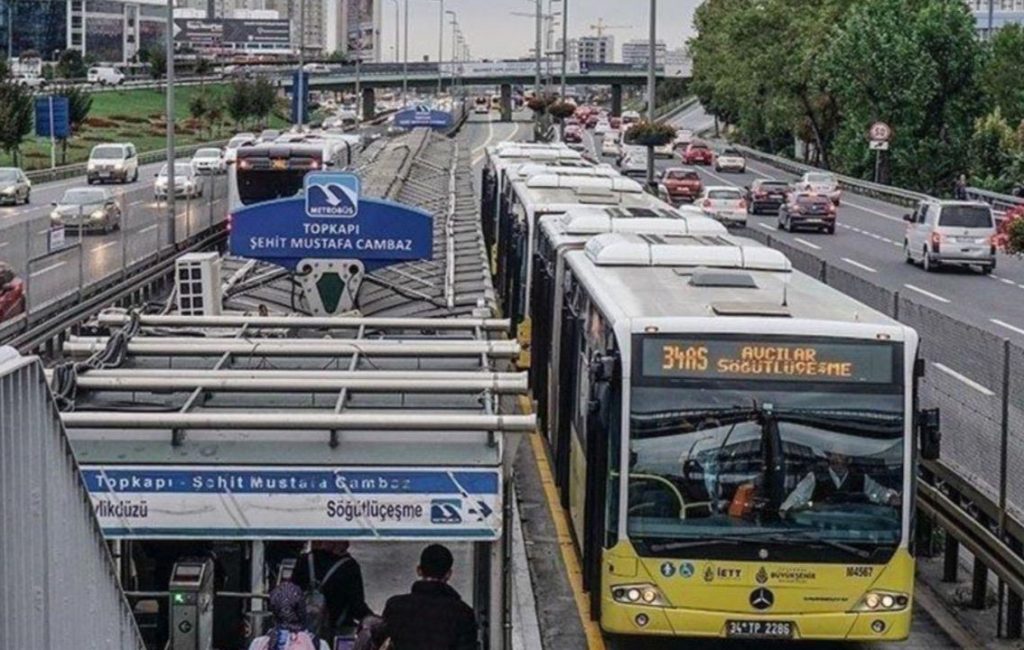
821	183
117	161
725	204
105	76
29	80
209	160
730	160
634	166
186	184
665	151
602	127
240	140
610	146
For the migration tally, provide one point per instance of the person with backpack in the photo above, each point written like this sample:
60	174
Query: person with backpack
333	583
288	608
432	616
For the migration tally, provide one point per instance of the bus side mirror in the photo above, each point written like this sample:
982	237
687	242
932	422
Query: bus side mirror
930	432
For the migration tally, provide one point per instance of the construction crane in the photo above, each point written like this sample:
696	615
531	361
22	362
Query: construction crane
600	27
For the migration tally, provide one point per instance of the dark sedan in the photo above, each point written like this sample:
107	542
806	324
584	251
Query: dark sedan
766	195
805	210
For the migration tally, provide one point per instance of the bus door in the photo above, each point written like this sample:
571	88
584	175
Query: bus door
487	200
542	295
506	220
602	427
572	316
517	259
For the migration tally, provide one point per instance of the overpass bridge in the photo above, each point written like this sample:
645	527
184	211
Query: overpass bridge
504	74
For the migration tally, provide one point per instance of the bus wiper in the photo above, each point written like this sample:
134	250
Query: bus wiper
788	538
703	541
676	421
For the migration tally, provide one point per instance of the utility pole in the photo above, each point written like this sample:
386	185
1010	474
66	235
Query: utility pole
397	23
455	29
651	81
359	59
540	28
991	10
440	51
169	73
565	42
300	84
405	58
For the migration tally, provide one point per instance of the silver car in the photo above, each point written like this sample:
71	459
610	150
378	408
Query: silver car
15	187
959	233
820	183
86	208
724	203
209	160
187	184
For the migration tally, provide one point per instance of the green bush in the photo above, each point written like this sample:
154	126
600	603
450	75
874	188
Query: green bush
650	134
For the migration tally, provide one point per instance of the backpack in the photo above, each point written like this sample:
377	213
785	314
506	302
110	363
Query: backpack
316	603
296	641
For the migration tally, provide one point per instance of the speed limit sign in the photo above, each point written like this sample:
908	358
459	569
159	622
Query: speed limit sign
880	132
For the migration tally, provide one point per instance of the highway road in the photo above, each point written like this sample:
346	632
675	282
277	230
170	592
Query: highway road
24	234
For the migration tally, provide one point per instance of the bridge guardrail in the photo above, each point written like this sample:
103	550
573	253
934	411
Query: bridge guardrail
1001	203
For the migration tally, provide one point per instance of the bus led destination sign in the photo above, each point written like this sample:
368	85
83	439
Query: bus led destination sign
798	361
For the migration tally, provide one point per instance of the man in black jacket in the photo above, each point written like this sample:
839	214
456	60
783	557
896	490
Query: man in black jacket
339	579
433	616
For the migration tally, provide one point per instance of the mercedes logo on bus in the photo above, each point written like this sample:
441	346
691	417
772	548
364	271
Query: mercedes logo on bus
762	598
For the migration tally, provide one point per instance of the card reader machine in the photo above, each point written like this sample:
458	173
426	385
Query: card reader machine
191	588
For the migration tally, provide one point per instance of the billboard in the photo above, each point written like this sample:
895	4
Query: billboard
236	33
361	38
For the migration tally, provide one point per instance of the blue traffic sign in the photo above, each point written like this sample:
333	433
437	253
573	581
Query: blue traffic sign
332	222
300	88
53	117
418	116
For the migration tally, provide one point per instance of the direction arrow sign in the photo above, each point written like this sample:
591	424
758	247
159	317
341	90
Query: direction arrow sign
879	145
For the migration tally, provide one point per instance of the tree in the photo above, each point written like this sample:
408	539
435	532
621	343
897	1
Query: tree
1002	78
264	96
199	108
79	107
239	102
5	70
157	59
990	152
70	65
15	117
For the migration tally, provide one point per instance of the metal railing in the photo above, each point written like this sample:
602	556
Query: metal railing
1001	203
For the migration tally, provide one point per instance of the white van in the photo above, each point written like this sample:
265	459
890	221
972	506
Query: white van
105	76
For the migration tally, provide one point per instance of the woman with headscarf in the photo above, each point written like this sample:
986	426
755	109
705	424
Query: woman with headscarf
288	608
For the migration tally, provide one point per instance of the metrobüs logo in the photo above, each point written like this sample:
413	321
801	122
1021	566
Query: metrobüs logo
446	511
332	195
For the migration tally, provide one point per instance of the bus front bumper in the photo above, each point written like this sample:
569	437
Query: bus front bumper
618	618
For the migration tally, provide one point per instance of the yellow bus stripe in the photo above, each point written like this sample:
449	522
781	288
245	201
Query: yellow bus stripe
572	562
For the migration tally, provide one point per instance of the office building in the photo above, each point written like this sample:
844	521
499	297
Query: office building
1004	12
592	49
637	52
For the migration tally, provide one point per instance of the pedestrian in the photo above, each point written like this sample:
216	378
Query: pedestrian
333	582
288	608
960	189
432	616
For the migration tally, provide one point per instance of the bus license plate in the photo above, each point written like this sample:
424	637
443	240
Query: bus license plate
759	629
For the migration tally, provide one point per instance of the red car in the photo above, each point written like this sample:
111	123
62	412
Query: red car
682	185
573	134
698	153
592	120
615	122
12	293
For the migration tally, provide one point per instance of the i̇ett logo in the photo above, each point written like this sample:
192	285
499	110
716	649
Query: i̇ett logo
332	195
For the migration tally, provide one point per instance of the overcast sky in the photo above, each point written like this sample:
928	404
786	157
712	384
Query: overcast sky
493	33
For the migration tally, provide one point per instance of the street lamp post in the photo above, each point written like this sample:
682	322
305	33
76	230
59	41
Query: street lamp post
359	59
440	50
405	58
538	52
397	23
651	80
455	30
565	42
169	65
300	80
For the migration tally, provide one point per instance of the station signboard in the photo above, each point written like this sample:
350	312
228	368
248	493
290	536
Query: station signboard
420	116
204	34
269	502
332	222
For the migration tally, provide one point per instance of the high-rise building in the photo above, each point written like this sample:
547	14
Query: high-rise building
591	49
1004	12
637	52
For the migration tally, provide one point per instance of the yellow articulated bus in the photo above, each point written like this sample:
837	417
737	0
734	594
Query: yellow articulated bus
740	443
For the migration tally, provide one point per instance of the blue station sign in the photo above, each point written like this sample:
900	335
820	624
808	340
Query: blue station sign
420	116
332	222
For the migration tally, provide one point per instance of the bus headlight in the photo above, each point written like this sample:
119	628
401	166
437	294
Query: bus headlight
642	594
883	601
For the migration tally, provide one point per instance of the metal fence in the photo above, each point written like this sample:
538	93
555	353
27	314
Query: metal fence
58	588
55	272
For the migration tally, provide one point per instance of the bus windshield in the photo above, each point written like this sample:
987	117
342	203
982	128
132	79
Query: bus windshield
793	449
267	174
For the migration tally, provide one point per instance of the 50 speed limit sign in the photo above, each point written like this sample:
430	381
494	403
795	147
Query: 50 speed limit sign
880	132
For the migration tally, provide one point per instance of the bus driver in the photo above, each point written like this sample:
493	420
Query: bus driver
837	483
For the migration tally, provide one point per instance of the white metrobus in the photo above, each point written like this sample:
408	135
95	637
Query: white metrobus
741	443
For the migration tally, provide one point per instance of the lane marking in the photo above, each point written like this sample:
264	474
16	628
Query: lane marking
925	292
873	211
1006	325
4	244
859	265
966	380
595	640
104	246
481	151
807	243
767	227
147	228
46	269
